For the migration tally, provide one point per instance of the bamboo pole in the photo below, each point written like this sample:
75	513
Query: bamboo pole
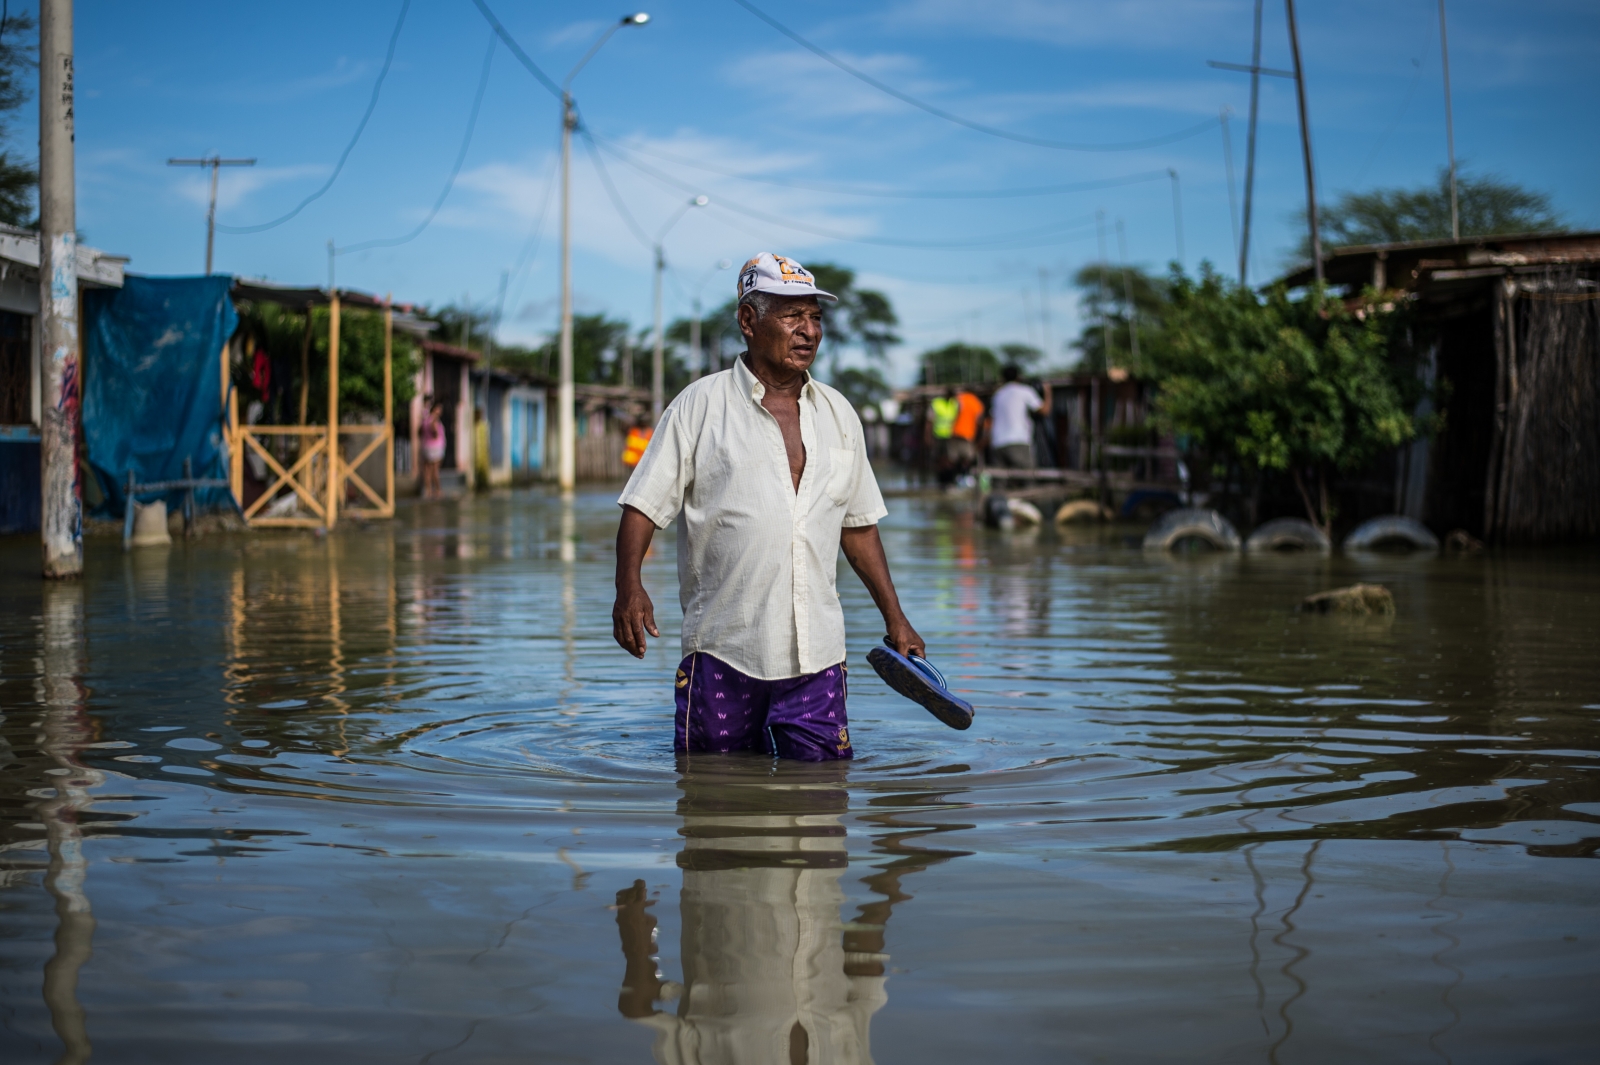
388	401
332	514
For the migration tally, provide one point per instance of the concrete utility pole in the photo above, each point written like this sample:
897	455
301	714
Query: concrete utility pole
1449	128
696	361
215	163
1305	146
61	509
658	362
566	395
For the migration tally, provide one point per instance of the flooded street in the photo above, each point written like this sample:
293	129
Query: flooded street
395	795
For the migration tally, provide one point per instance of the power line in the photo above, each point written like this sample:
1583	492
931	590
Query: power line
833	234
461	157
898	194
372	104
516	50
938	112
530	249
616	199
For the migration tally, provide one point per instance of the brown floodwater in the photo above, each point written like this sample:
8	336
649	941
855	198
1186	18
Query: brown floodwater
394	795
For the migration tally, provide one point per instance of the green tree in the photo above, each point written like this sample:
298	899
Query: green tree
1488	205
1025	356
862	386
862	316
19	179
596	353
1304	386
461	324
281	332
1103	290
360	362
960	363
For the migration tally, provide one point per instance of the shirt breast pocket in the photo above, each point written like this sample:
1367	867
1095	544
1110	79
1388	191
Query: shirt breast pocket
841	474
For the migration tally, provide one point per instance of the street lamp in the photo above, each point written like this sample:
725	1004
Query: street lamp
657	362
695	360
567	470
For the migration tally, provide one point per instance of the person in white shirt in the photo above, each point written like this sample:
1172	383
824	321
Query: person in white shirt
767	469
1011	422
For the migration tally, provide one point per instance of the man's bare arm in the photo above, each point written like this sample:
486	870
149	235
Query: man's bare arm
634	614
864	551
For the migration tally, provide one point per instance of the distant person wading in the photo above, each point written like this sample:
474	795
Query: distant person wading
1011	413
766	469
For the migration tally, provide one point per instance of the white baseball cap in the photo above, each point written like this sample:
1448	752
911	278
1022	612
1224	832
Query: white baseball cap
779	275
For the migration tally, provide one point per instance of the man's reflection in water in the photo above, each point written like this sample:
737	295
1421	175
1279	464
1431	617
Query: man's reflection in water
770	973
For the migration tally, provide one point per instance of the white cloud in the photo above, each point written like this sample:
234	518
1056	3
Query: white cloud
343	72
499	193
802	83
584	32
236	183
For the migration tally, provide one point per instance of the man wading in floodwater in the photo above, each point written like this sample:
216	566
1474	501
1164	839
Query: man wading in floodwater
768	471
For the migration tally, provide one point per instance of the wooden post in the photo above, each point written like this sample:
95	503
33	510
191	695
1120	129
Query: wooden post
305	368
236	448
333	410
388	399
1305	148
1491	481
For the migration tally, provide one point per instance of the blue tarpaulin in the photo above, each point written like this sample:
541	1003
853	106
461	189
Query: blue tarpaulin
153	378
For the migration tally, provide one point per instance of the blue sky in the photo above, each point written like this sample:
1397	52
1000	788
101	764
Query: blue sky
708	83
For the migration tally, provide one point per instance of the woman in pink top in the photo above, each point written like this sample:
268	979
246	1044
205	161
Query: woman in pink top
433	445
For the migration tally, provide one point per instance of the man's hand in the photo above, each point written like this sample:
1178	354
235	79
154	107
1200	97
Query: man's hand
634	614
903	638
864	551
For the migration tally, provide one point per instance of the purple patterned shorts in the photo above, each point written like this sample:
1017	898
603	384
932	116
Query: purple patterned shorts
721	709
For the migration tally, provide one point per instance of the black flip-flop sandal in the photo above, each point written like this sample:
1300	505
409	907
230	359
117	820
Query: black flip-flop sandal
917	679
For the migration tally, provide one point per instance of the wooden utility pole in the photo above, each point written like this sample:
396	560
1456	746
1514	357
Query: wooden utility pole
1449	127
1305	146
61	505
214	162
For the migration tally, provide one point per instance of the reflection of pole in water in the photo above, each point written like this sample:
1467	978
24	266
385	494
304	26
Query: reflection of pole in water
1300	953
1442	929
65	730
569	591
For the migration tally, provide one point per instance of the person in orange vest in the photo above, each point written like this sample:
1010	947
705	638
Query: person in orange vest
639	434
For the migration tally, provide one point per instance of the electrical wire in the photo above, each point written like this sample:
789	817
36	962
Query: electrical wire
616	199
833	234
516	50
897	194
938	112
461	157
530	249
372	104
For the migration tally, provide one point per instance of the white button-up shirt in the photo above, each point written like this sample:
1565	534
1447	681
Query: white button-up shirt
757	558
